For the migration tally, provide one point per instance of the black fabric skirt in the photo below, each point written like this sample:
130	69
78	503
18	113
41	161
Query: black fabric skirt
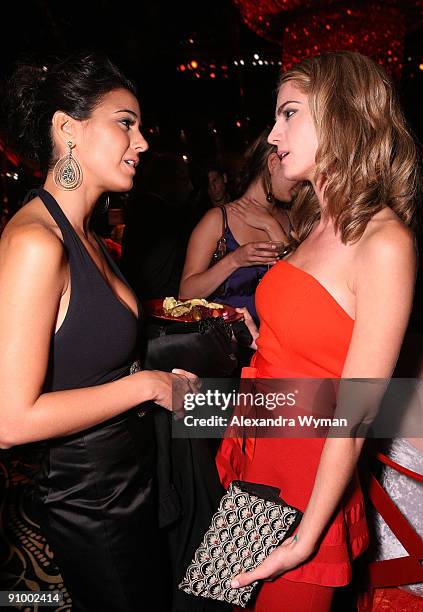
96	503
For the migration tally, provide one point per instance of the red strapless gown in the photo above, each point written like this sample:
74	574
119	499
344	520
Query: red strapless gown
304	333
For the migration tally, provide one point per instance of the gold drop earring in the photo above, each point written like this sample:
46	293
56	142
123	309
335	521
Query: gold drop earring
67	173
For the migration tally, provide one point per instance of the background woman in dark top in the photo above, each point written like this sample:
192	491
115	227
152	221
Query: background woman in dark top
253	220
68	334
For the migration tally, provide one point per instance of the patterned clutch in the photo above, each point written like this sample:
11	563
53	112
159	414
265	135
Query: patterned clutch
251	521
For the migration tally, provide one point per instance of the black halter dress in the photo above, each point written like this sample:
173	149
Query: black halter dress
95	490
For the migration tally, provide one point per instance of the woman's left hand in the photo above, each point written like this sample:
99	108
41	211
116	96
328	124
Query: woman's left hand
285	557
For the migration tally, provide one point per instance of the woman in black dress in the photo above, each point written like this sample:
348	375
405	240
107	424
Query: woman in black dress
68	334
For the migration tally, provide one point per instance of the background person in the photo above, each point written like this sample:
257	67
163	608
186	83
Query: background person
217	185
247	225
213	189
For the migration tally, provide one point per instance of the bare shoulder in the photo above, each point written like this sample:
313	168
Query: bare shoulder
214	215
387	240
211	222
33	233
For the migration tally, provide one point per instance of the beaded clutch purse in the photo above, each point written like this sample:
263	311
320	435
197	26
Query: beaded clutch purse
251	521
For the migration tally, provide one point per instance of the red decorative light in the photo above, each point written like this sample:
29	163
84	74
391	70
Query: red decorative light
308	27
378	32
11	156
182	67
194	64
264	17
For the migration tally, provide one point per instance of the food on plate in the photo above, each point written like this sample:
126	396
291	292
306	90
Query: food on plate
178	311
197	302
214	305
196	307
169	303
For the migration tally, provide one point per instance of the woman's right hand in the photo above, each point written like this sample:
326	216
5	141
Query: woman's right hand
254	254
169	389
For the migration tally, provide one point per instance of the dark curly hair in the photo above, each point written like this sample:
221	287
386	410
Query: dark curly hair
33	93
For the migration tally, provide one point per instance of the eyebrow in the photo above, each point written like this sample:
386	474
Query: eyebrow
282	106
127	110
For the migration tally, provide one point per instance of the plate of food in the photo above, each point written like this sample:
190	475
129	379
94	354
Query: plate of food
188	311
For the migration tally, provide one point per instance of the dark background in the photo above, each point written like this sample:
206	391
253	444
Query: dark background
149	40
187	112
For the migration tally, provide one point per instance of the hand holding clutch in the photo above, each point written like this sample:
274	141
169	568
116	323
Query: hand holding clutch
284	558
250	523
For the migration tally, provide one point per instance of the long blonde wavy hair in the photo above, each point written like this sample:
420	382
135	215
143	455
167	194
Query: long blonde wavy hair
366	154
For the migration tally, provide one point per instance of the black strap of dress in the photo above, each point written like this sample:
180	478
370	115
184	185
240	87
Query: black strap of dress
68	230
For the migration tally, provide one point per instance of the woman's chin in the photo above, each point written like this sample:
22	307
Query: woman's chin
121	186
297	176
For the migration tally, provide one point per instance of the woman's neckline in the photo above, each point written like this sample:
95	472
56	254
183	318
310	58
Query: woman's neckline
341	308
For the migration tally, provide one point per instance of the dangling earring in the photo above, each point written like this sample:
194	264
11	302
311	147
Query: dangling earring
106	203
270	197
67	173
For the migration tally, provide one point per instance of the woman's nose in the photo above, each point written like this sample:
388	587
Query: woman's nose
271	139
140	143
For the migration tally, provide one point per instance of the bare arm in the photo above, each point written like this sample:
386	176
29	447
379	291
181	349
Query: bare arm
384	290
384	293
33	275
198	280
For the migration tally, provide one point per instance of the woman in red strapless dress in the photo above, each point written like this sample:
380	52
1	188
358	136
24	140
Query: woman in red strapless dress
337	307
